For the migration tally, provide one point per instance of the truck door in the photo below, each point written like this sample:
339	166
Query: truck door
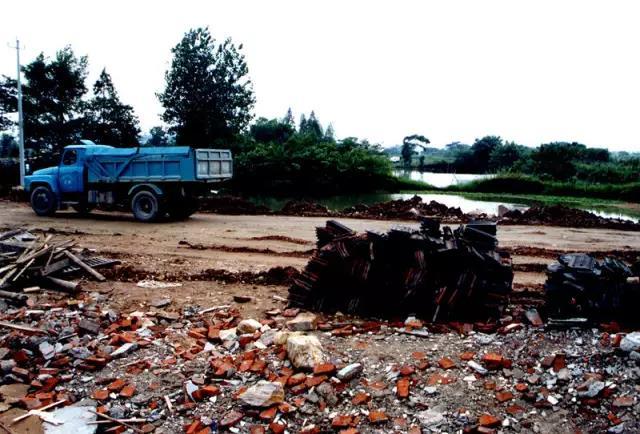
70	174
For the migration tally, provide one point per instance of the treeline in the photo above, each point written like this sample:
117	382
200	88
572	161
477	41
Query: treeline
560	161
208	101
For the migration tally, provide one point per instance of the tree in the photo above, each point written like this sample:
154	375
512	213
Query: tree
107	120
52	100
556	159
271	130
506	156
8	101
482	149
311	126
8	146
329	133
409	144
289	120
208	97
158	137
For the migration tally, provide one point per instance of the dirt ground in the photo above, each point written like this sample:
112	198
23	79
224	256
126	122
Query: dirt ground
181	251
211	245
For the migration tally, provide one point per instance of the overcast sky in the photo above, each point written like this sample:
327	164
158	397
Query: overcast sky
531	71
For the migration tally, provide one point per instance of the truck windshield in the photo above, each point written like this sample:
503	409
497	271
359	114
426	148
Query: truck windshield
70	157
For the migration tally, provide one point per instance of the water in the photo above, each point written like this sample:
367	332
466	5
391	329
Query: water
440	180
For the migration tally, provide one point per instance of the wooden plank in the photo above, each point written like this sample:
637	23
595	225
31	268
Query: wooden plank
22	328
84	266
64	284
23	270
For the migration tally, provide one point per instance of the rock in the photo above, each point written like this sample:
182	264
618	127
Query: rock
228	335
263	394
47	350
118	412
326	391
248	326
349	371
160	302
282	336
242	298
303	322
168	316
477	367
305	351
430	418
124	348
630	342
89	326
564	374
73	420
595	387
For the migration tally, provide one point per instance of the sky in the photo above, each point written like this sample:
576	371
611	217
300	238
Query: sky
528	71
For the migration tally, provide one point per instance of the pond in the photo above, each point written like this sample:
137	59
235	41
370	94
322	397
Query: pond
439	180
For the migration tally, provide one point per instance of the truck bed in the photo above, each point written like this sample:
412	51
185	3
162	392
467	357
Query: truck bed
158	164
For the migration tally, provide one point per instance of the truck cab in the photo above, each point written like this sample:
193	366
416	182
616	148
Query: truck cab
154	181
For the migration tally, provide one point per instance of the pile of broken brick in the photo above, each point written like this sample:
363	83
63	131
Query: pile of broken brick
434	272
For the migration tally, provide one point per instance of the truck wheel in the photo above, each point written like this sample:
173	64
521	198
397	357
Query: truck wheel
44	201
145	206
82	208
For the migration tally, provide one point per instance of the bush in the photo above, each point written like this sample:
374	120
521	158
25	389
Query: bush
9	175
506	183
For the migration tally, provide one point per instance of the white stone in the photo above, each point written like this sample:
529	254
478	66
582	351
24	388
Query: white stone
248	326
228	335
263	394
305	351
630	342
349	371
303	322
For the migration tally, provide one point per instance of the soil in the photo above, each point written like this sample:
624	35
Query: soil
216	257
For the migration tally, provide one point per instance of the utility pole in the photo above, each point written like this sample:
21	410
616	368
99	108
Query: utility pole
20	118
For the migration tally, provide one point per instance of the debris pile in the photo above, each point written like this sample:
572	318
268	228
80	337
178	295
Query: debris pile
579	285
231	205
560	215
305	208
408	209
28	262
434	272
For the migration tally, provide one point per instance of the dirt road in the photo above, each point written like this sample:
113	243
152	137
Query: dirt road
257	243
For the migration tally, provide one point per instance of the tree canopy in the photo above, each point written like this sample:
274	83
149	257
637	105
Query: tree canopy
208	96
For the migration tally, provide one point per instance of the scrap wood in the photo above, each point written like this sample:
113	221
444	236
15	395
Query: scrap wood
22	328
38	412
118	421
84	266
211	309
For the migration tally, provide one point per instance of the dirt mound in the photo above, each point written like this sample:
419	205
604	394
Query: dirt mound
273	276
305	209
560	215
402	209
232	205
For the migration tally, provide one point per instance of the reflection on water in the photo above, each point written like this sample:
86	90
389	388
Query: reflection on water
439	179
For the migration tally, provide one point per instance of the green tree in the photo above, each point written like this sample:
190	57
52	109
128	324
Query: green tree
52	102
107	120
409	144
557	159
158	137
8	103
311	126
271	130
289	120
329	133
8	146
481	150
506	156
208	96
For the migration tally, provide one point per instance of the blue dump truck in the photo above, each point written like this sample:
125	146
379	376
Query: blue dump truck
154	182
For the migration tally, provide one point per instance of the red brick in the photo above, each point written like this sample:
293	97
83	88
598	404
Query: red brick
315	380
360	398
341	421
488	420
116	385
296	379
446	363
504	396
269	414
324	368
377	416
277	428
128	391
402	387
100	394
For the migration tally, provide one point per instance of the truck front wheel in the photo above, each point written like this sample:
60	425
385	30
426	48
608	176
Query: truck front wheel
145	206
43	201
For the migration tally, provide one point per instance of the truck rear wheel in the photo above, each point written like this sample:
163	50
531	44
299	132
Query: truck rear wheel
146	206
44	201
